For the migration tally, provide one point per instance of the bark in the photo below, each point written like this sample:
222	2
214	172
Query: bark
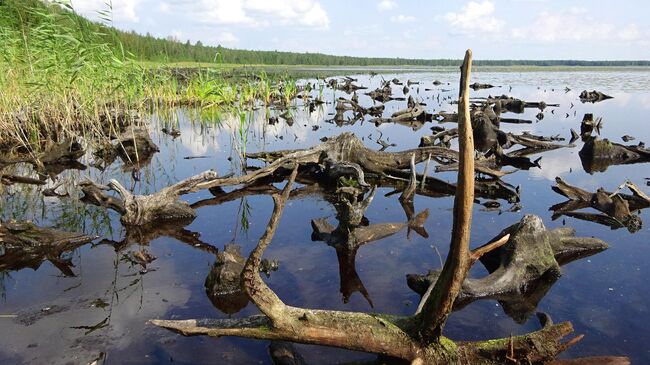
438	306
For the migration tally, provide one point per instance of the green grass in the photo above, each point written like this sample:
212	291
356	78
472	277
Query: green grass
61	77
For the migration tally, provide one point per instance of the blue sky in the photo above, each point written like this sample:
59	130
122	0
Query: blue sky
494	29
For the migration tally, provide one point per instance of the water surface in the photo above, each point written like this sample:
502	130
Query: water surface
103	310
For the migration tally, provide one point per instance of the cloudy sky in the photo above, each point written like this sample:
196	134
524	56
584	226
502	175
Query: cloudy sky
494	29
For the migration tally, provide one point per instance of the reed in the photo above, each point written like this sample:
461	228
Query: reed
63	76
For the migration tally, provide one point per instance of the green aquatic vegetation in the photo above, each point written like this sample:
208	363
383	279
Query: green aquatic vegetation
64	76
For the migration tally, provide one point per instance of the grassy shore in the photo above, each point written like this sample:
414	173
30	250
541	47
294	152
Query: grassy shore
60	78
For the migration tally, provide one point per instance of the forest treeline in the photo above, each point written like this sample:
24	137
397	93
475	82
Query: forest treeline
155	49
150	48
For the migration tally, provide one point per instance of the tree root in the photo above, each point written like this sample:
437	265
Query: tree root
522	269
139	210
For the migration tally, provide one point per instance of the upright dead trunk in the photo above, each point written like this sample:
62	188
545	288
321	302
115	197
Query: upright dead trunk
439	304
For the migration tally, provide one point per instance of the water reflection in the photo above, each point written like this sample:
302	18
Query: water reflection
185	262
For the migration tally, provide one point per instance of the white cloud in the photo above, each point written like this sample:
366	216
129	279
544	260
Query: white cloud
386	5
227	38
577	25
123	10
475	18
163	7
307	13
221	12
631	32
402	19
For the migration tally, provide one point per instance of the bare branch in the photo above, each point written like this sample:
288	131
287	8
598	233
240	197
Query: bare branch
477	253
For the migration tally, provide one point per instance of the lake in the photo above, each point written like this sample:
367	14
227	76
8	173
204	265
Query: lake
102	311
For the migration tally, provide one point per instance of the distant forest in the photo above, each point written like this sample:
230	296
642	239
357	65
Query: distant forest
149	48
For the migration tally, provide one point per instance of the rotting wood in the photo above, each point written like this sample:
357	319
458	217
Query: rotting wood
523	261
617	209
407	338
144	209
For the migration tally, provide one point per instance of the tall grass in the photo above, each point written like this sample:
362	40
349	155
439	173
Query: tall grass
63	76
57	73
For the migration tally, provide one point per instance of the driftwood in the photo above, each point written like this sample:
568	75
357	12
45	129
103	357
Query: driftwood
520	162
478	86
508	103
134	147
598	154
382	94
145	209
593	96
56	158
522	269
7	179
348	86
23	244
349	152
616	208
60	157
352	233
143	235
418	338
589	125
413	116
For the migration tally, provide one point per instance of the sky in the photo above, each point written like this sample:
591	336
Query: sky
494	29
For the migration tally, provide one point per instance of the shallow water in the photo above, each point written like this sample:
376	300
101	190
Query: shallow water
604	296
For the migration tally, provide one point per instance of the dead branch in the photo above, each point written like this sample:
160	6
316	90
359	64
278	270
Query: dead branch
616	208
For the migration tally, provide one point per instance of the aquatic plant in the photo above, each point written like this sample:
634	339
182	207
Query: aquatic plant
64	76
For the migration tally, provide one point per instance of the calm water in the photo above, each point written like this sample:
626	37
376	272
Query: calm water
604	296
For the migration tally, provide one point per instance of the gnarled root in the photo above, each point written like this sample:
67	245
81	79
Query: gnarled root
143	209
521	270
